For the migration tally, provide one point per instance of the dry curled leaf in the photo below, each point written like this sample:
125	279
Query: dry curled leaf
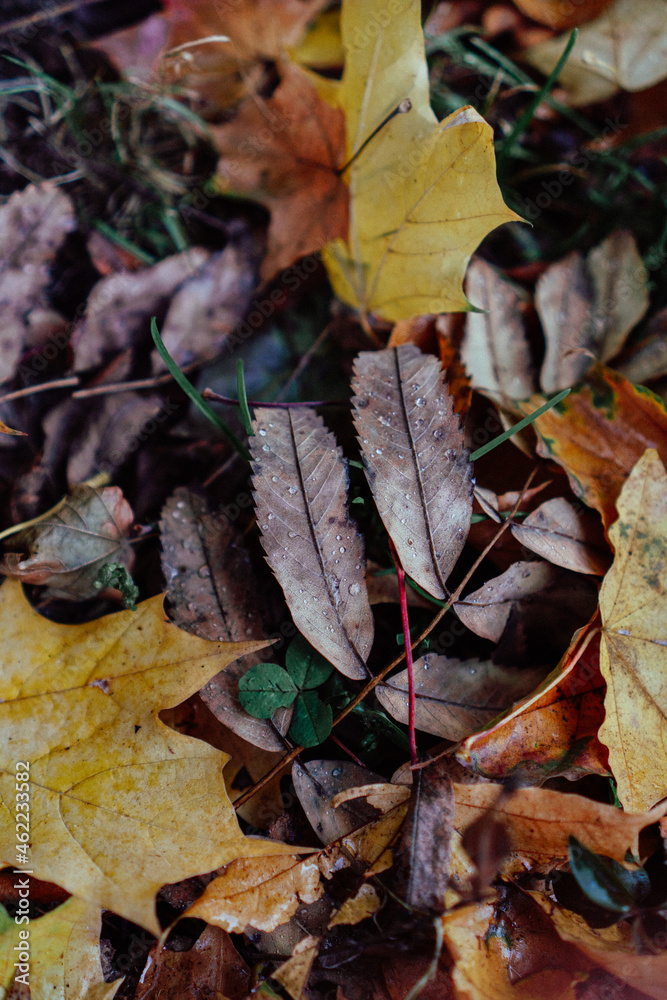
633	653
453	697
423	193
552	731
33	225
70	545
210	969
566	535
416	464
311	543
486	611
116	796
495	347
213	593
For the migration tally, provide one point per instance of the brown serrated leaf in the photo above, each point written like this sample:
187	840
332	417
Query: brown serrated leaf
311	543
564	299
566	535
487	609
416	464
72	543
454	698
33	226
421	865
213	594
495	348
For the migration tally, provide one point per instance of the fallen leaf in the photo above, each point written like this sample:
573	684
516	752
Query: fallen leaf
363	904
119	308
211	968
64	955
565	535
213	593
416	464
423	193
551	731
284	151
647	359
633	653
421	862
559	14
293	974
564	300
33	226
69	547
624	47
495	347
105	682
539	822
453	698
318	785
311	543
598	433
258	892
484	947
620	289
613	948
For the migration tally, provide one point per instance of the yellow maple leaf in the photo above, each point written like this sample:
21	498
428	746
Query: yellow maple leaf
633	651
119	803
423	193
62	955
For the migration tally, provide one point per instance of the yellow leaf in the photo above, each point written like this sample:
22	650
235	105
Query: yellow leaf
633	651
423	193
64	955
119	803
293	974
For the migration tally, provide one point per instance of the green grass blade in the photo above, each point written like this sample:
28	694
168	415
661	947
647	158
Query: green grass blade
486	448
243	398
192	394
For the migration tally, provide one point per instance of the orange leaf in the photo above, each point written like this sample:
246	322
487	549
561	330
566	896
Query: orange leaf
283	152
599	432
554	730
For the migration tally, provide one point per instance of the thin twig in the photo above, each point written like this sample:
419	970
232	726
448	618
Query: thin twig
374	681
215	397
31	390
405	620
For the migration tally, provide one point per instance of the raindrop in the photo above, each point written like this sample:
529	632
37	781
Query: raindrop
181	504
262	432
264	527
378	451
204	571
274	479
271	516
292	490
342	548
450	453
339	538
437	433
336	773
354	589
420	401
291	534
265	447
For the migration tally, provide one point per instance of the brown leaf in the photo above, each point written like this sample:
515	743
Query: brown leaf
421	865
487	609
284	152
566	535
564	300
69	547
620	289
553	730
293	974
453	698
213	593
119	308
311	543
318	782
495	348
416	464
647	359
211	968
33	226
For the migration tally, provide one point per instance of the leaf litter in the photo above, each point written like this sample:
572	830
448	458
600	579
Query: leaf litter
457	878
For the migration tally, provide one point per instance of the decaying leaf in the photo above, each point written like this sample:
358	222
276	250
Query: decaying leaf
421	864
453	697
565	535
120	803
486	611
318	785
416	464
33	225
211	968
293	974
284	151
552	731
647	360
213	594
611	948
68	548
311	543
259	892
495	348
599	432
624	47
423	193
633	652
620	289
63	949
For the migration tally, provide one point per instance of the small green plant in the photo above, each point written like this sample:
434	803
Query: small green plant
116	575
268	686
606	882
